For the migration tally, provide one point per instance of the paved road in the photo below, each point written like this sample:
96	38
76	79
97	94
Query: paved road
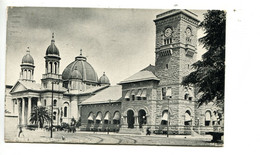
42	136
111	138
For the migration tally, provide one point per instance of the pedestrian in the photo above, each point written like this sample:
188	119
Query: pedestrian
148	132
20	131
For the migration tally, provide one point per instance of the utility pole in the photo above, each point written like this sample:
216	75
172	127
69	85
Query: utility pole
51	106
168	120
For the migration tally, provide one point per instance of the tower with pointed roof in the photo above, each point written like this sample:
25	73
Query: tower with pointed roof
27	67
52	66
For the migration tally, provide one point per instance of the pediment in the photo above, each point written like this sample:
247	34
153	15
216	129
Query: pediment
18	87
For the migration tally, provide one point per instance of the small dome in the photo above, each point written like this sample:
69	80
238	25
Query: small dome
52	49
28	59
75	74
83	67
104	79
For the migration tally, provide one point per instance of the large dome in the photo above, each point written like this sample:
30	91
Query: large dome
52	49
28	59
83	67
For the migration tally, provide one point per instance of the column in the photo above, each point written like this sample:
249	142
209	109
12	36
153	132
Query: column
13	105
136	120
49	67
29	110
19	113
23	110
58	64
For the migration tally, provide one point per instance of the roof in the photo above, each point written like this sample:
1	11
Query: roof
88	91
84	68
25	85
143	75
110	94
150	68
31	85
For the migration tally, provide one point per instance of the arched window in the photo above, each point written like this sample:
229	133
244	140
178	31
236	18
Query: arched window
45	103
186	96
65	111
51	67
165	117
91	118
55	103
207	118
99	118
187	119
54	115
116	118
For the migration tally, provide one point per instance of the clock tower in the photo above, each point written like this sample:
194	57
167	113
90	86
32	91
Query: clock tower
176	45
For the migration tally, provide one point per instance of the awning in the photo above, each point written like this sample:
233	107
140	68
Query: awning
116	116
165	116
187	117
99	116
127	95
107	116
207	116
133	92
90	117
139	93
143	93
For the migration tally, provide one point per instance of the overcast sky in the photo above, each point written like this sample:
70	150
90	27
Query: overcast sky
119	42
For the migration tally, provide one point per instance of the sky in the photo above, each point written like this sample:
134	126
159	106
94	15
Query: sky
119	42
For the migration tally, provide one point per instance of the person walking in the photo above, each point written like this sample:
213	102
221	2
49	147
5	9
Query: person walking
20	131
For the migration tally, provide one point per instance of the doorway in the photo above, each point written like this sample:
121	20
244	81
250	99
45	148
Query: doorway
130	119
141	118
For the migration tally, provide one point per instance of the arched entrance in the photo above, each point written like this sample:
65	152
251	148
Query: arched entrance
207	118
187	119
130	119
141	118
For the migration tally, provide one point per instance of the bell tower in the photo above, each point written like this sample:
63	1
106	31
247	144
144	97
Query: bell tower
52	66
176	39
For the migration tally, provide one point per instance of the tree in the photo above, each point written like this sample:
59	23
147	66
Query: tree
208	75
40	114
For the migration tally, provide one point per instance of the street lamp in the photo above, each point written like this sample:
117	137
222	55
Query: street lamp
108	118
168	117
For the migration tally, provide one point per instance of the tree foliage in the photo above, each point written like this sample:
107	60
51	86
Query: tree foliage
40	115
209	72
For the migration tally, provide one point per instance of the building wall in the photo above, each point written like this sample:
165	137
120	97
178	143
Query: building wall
95	108
147	105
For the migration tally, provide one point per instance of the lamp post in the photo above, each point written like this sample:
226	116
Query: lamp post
108	118
168	117
51	106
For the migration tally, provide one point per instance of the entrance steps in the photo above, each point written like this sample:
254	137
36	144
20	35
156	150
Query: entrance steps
135	131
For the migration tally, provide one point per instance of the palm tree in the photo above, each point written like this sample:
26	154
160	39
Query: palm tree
40	114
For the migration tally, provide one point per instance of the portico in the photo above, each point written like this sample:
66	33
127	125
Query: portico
25	106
